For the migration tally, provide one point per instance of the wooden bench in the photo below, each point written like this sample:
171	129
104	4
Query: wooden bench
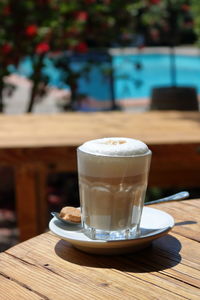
35	145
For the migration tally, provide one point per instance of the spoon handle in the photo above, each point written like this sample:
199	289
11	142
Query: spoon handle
175	197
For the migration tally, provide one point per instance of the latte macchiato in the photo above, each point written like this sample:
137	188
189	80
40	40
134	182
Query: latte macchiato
113	175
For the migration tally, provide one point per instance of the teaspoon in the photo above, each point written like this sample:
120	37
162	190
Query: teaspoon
174	197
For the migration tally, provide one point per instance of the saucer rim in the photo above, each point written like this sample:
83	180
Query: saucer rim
99	243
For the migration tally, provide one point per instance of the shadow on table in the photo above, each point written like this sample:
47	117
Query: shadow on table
185	223
162	254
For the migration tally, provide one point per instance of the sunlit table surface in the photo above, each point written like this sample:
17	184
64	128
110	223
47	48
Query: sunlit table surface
46	267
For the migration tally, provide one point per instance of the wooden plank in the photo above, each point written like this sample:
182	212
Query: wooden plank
31	202
149	266
172	247
71	129
169	165
45	155
89	282
186	216
13	290
75	281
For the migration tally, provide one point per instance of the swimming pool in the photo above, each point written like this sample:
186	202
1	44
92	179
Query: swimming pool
155	72
134	75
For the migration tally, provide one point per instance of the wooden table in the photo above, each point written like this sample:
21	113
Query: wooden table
45	267
35	145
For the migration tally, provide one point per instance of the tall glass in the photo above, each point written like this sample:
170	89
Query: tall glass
112	191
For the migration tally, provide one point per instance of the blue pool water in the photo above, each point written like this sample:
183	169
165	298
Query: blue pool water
155	71
134	75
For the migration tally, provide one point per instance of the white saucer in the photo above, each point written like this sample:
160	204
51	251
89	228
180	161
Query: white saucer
154	224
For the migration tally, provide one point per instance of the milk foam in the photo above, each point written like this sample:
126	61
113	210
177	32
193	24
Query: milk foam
113	157
115	146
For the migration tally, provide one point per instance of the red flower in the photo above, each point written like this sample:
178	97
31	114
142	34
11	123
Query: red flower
31	30
6	48
81	47
6	10
42	48
185	7
81	16
154	1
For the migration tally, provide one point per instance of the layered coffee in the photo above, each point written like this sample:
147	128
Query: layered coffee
113	175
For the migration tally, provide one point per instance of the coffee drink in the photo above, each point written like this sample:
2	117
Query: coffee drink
113	175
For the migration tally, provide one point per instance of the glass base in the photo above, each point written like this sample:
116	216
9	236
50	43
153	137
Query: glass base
106	235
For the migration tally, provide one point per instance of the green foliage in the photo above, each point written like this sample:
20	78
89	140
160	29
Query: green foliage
37	28
196	14
170	22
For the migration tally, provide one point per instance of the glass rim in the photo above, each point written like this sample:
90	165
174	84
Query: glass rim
148	153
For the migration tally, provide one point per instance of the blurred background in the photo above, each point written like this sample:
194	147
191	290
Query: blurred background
55	56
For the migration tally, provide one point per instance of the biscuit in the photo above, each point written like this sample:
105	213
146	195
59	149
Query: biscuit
72	214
